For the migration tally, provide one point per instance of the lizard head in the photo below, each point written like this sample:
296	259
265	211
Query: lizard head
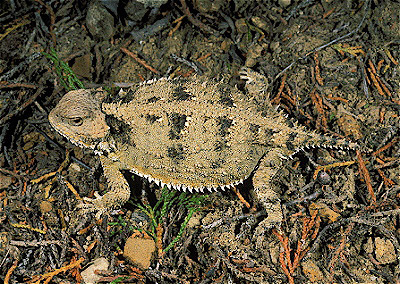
79	118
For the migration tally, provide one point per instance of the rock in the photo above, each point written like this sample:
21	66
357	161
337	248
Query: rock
45	206
207	6
195	221
32	136
241	25
260	23
75	167
369	246
89	276
5	181
135	10
99	21
28	145
349	125
254	54
385	252
82	66
275	46
284	3
324	211
139	251
152	3
31	139
312	271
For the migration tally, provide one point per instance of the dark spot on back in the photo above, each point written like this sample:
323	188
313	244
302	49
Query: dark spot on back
180	94
120	97
152	118
220	146
177	123
225	95
265	113
289	142
224	125
119	130
308	138
269	133
176	152
153	99
217	163
254	128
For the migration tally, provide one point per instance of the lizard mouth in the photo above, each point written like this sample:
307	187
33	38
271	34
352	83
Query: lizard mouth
78	140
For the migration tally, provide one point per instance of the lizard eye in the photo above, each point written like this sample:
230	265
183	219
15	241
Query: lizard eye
76	121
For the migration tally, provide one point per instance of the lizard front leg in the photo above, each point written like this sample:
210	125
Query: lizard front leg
265	190
256	86
119	191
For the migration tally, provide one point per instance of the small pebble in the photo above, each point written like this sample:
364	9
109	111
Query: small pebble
324	178
89	276
5	181
284	3
45	206
139	251
385	252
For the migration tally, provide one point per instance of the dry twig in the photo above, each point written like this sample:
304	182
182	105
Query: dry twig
339	250
330	166
276	100
367	177
178	23
317	101
241	198
5	85
29	227
195	21
140	61
309	232
10	271
317	70
48	276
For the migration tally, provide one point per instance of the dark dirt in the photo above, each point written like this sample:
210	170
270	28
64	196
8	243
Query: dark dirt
333	67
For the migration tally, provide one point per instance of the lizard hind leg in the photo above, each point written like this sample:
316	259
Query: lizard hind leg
266	191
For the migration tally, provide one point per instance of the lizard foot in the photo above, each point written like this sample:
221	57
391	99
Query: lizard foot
252	77
91	205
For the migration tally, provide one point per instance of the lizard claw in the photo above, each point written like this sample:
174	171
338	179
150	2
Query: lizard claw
245	74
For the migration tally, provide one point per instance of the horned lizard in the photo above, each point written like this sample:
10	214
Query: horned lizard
189	134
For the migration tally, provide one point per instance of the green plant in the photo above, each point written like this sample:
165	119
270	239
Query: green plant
169	198
67	77
119	224
119	280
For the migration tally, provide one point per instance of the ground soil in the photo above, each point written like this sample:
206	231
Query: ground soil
333	67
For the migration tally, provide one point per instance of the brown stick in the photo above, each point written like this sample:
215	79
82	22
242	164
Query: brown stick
140	61
10	271
367	177
195	21
4	85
